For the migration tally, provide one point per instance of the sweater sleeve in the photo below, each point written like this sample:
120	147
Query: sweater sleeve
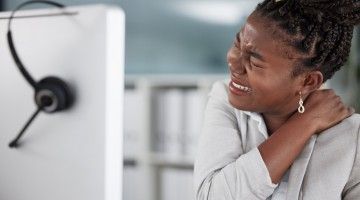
222	170
352	187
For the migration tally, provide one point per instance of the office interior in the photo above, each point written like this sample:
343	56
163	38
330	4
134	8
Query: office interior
174	51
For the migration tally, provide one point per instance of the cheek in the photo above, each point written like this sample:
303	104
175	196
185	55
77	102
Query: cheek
269	87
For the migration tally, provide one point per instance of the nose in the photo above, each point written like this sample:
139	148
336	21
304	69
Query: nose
235	61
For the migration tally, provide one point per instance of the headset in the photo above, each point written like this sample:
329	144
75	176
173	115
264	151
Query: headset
52	94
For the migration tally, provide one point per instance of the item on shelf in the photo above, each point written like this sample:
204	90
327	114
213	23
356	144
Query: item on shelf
132	114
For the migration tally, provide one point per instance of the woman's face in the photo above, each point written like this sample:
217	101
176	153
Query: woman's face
260	69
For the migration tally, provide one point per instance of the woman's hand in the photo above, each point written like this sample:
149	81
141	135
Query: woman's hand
324	109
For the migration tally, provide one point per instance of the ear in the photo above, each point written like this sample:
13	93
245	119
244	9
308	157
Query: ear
311	82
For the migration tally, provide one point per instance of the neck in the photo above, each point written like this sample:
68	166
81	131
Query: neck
274	121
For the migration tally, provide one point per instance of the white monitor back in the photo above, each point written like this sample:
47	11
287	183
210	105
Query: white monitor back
76	154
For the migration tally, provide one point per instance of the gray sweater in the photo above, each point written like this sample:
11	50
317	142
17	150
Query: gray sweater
229	166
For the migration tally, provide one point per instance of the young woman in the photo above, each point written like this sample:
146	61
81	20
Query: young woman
269	132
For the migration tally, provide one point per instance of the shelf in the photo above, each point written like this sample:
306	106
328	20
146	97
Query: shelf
130	162
181	162
175	80
156	91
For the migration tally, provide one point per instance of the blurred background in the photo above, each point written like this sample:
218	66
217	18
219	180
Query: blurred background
175	50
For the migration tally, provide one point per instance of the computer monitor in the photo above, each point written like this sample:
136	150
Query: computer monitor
75	154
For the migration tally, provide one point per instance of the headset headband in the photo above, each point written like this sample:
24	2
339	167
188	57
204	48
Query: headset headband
17	60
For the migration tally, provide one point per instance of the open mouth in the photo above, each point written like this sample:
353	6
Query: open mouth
241	87
236	86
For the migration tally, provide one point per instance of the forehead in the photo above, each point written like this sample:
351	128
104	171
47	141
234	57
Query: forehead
268	38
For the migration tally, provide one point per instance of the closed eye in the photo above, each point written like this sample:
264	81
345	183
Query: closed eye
254	62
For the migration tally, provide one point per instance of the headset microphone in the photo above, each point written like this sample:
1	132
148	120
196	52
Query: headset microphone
52	94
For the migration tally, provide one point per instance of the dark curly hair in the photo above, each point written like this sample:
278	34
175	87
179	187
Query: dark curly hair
321	30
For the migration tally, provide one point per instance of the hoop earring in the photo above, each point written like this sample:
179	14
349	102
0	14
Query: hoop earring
301	108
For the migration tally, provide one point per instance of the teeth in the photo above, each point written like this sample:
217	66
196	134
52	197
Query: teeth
241	87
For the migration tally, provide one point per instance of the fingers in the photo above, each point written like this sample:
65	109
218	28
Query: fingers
322	95
326	108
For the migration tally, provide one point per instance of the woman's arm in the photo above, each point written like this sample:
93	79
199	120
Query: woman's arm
281	149
222	169
324	109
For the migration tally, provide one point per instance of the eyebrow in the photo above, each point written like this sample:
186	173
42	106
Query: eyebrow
257	55
252	52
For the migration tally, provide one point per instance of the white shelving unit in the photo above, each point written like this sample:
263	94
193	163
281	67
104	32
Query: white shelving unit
149	162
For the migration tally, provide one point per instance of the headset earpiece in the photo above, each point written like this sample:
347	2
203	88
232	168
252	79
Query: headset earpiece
52	94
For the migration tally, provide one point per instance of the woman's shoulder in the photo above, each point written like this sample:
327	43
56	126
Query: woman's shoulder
350	125
354	118
336	156
353	121
345	132
219	90
220	93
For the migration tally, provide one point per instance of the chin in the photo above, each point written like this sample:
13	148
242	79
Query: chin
238	105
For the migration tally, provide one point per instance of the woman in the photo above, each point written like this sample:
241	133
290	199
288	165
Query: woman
269	132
